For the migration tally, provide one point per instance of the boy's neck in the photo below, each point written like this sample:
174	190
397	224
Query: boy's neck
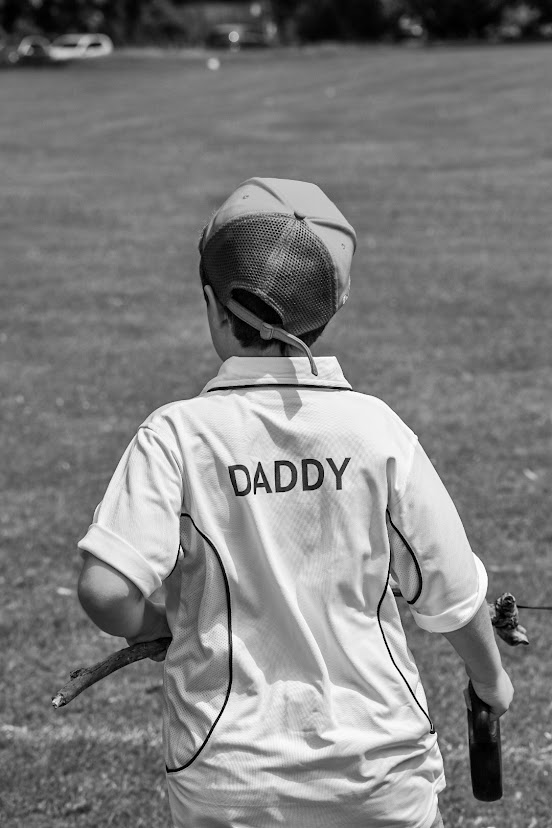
273	350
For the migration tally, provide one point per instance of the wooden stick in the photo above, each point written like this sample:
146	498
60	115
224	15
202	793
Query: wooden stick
504	616
86	676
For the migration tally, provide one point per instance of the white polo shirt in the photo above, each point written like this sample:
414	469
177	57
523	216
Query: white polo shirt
275	507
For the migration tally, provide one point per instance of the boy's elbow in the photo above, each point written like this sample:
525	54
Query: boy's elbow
89	593
101	589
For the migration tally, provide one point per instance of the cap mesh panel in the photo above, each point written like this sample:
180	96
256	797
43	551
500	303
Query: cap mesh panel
279	259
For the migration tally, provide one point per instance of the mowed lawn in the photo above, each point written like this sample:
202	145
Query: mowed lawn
442	160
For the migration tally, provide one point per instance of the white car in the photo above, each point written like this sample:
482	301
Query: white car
80	46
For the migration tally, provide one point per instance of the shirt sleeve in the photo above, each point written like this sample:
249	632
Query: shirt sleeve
136	527
431	558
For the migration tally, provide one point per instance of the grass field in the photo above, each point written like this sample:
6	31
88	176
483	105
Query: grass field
442	159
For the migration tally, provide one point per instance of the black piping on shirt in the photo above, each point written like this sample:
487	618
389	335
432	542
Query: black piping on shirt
176	561
383	594
230	672
277	385
416	564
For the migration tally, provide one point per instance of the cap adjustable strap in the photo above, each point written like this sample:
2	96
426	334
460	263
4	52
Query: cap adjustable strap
268	331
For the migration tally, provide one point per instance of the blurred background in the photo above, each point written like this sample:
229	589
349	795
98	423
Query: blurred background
232	24
124	125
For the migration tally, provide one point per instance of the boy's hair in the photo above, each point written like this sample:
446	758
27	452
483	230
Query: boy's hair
248	336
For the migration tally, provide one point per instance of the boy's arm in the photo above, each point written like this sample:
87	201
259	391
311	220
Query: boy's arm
476	645
117	606
133	543
444	583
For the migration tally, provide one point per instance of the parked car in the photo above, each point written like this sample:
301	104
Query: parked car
33	50
237	36
80	46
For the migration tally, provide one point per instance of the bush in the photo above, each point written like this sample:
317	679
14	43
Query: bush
341	20
162	22
445	19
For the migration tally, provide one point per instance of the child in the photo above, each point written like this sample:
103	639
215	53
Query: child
275	507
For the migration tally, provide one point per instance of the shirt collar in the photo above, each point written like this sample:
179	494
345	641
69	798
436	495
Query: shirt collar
240	372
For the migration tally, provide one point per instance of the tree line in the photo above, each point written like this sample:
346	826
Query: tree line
172	21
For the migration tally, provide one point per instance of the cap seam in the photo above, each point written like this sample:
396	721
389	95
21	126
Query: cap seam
242	218
274	187
280	250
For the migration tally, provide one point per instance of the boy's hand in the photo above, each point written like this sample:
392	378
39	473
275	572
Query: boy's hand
154	626
498	694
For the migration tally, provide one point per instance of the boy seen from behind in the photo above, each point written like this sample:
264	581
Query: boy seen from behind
275	508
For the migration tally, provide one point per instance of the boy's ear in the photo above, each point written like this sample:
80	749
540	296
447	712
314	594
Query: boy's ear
215	311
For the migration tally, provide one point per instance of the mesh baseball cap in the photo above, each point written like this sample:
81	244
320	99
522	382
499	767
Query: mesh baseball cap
288	244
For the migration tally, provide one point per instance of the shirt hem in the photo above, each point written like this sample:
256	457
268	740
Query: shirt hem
437	785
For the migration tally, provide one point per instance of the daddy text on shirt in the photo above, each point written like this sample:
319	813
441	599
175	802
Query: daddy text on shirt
284	475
